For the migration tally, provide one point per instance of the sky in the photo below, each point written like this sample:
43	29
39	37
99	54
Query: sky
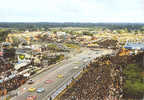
72	11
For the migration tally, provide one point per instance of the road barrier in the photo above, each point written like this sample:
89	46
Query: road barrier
77	74
61	89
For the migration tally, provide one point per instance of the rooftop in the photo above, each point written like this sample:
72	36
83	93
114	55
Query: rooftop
138	46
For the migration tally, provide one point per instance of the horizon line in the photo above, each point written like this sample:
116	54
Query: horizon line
70	22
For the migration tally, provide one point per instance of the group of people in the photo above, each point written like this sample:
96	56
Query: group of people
12	84
102	80
8	78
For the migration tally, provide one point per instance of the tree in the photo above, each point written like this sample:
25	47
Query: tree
3	34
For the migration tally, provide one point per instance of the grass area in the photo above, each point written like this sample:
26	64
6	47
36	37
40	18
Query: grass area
60	58
3	34
52	46
70	45
134	85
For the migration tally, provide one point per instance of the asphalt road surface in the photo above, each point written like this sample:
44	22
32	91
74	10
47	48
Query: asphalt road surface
66	68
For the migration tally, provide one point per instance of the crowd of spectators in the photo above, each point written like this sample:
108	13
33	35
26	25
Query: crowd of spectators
102	80
7	83
12	84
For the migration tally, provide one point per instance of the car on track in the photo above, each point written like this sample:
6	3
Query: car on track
31	97
48	81
31	89
40	90
85	60
30	81
77	63
76	67
60	76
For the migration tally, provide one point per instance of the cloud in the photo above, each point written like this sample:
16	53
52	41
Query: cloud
72	10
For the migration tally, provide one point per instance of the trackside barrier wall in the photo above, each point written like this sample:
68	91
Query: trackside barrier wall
77	74
58	91
54	95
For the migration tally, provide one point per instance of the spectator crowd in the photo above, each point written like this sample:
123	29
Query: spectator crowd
9	80
102	80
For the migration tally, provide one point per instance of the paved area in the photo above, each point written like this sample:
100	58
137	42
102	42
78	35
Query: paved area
66	68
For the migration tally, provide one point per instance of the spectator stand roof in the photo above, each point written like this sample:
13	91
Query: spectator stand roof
134	46
19	65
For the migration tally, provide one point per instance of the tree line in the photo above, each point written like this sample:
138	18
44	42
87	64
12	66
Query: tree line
46	25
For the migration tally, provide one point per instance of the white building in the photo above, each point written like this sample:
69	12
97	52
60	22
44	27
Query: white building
61	33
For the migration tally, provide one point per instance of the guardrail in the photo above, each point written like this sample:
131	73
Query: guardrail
61	89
